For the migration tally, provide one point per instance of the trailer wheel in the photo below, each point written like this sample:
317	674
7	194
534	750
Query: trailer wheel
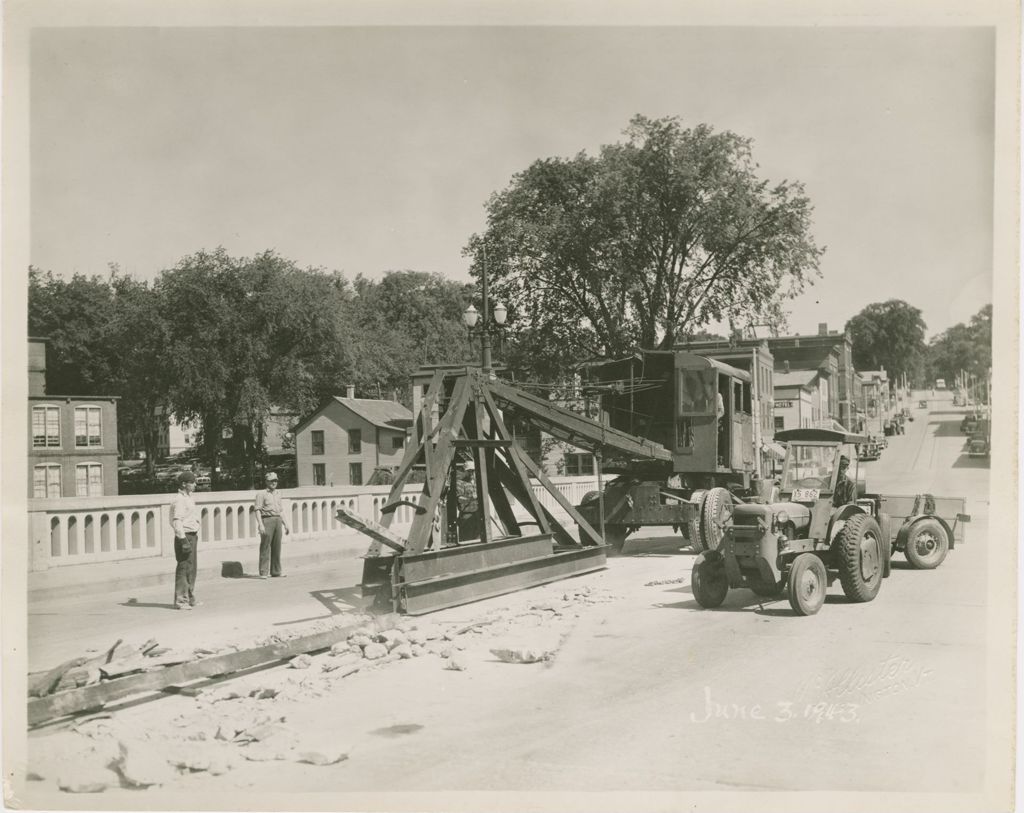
709	583
927	544
808	583
861	559
716	510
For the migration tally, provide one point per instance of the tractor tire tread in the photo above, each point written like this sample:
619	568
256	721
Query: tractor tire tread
848	553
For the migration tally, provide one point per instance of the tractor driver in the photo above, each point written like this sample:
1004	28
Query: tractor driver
846	490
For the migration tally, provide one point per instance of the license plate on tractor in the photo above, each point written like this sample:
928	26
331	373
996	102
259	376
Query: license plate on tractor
805	494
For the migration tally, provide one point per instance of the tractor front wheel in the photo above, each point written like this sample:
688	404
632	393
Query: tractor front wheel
861	558
709	583
927	544
808	583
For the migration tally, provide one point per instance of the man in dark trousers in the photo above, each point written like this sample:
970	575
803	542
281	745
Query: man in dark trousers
271	522
185	522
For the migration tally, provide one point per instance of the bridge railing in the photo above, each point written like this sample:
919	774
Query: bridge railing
82	530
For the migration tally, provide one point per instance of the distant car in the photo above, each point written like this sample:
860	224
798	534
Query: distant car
977	446
203	482
940	383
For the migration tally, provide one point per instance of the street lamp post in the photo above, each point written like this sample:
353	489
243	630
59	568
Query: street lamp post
487	324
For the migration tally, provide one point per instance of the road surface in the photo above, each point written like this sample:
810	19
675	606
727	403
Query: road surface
648	692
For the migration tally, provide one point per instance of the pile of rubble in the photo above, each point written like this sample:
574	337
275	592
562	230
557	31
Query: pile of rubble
246	719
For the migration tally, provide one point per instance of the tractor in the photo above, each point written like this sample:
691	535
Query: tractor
823	527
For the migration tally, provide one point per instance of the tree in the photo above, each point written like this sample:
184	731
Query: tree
891	335
246	335
395	325
74	315
141	369
962	347
652	239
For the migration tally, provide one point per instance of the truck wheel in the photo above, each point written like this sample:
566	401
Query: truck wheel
861	559
590	496
716	510
615	535
691	532
808	583
709	583
927	544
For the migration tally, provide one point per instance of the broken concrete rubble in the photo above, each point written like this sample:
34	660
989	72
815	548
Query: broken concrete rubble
374	651
141	765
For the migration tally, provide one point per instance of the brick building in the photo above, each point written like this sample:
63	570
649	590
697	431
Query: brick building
72	446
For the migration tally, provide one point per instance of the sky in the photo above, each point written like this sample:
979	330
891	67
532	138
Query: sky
369	149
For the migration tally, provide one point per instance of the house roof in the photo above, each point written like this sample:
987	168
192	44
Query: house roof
794	378
386	414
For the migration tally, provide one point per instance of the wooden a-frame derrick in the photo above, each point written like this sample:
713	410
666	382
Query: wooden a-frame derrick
494	563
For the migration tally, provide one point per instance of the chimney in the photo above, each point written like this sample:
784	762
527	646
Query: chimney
350	391
822	328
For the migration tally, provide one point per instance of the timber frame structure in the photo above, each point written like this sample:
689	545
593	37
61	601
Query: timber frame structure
433	568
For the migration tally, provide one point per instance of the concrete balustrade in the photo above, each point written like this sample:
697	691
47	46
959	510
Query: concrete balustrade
82	530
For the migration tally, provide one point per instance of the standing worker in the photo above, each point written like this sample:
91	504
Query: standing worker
270	520
185	522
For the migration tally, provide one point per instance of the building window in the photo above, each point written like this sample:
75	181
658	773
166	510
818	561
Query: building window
319	474
355	474
397	442
578	465
45	426
46	481
87	426
780	423
318	441
89	480
355	441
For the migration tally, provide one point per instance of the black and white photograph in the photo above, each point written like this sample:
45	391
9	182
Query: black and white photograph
466	407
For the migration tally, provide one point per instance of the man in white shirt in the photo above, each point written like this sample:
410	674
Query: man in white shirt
271	522
185	522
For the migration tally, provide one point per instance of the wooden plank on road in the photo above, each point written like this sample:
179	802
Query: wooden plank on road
78	700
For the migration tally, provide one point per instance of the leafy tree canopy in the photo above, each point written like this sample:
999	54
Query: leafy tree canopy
652	239
889	334
962	347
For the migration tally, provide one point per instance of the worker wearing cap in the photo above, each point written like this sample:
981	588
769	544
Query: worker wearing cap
846	490
270	520
185	522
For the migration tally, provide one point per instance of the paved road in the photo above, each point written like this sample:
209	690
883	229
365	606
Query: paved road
650	692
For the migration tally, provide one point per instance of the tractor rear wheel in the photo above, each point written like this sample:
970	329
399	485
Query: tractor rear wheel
808	583
716	510
927	544
861	558
709	583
